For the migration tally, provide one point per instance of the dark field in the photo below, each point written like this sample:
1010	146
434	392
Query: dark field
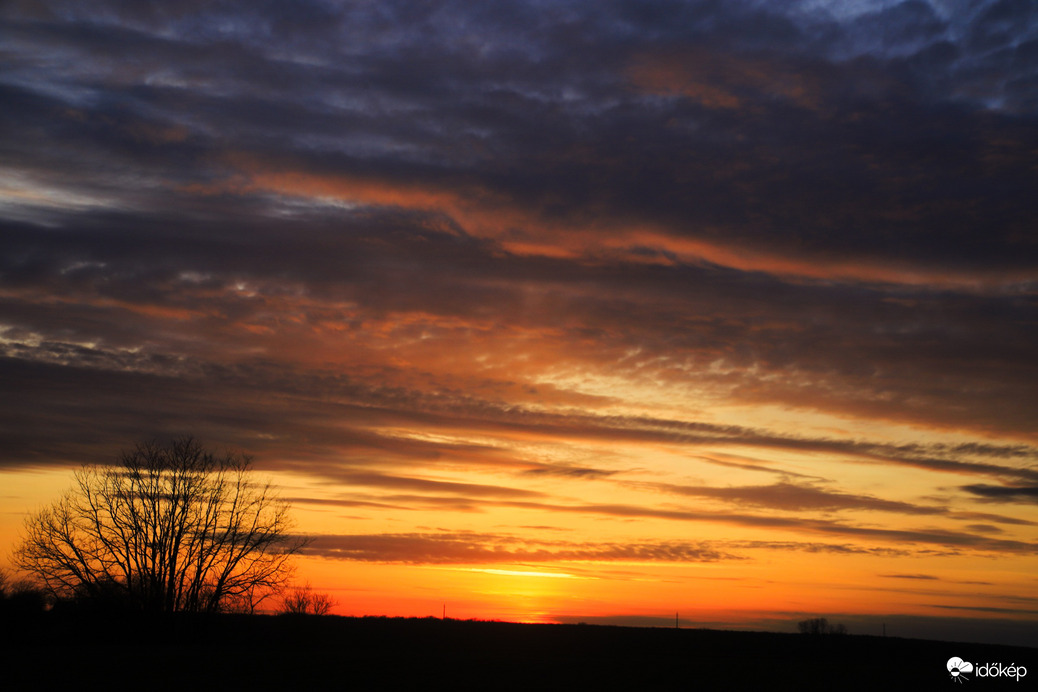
301	653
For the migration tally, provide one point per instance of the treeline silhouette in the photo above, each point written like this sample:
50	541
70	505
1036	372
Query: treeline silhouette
20	596
818	626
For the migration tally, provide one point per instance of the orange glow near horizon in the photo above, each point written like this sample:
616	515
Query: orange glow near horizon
704	596
603	514
533	573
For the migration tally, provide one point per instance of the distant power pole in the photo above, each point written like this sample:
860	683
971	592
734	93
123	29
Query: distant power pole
676	625
444	611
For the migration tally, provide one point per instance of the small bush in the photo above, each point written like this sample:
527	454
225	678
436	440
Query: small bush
303	600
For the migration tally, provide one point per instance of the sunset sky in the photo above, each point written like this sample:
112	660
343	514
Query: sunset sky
549	311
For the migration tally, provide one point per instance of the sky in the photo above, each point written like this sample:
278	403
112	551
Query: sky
566	311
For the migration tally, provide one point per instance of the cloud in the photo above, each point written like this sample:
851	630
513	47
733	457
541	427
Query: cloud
492	112
987	609
385	481
910	576
225	284
1003	493
953	540
793	497
474	548
837	548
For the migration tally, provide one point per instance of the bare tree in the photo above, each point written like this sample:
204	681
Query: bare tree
303	600
820	626
171	528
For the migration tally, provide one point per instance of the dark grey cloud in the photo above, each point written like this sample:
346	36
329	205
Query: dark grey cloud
841	155
953	542
475	548
248	404
910	576
984	528
1003	493
989	609
897	354
793	497
386	481
815	547
845	150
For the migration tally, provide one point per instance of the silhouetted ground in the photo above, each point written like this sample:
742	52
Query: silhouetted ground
70	651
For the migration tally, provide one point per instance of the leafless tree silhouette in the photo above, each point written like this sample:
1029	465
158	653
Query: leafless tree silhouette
171	528
820	626
303	600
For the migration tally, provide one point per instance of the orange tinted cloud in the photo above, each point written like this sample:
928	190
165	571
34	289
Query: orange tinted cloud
524	231
716	79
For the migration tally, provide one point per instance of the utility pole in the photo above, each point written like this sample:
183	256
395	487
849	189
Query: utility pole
676	625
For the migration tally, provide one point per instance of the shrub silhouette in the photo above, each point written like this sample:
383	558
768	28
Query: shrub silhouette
20	596
303	600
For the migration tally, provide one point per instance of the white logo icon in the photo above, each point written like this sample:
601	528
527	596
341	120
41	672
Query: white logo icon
957	667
